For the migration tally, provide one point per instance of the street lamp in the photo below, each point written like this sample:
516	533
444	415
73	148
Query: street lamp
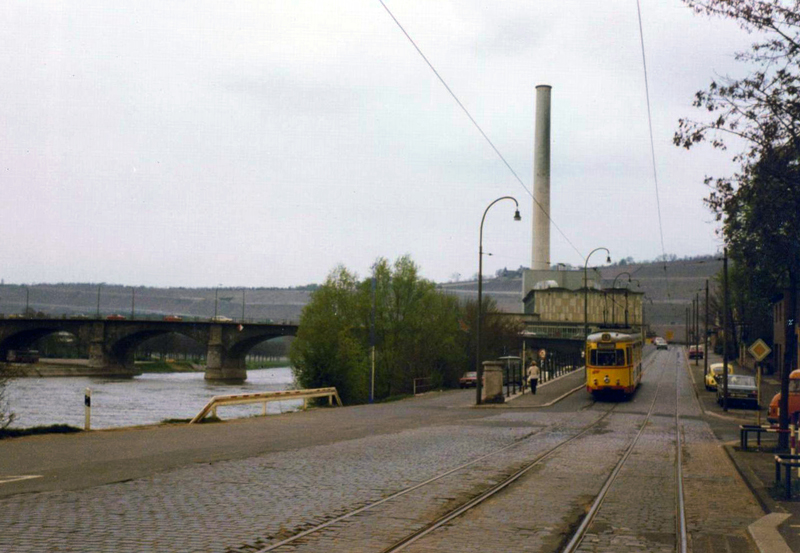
479	365
586	289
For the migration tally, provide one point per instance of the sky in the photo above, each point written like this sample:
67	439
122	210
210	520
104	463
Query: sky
264	143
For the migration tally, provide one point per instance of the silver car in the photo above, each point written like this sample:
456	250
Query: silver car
741	388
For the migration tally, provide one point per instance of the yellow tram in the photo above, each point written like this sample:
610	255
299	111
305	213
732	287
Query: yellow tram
613	362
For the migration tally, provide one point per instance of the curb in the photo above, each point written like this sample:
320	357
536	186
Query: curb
765	533
753	482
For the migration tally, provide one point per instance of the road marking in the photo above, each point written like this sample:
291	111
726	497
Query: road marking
7	479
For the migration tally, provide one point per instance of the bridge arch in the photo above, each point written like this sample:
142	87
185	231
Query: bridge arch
112	343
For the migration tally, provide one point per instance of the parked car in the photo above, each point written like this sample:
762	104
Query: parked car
469	380
221	319
115	317
173	318
696	352
773	414
741	388
715	374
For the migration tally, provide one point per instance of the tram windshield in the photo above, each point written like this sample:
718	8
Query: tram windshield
607	358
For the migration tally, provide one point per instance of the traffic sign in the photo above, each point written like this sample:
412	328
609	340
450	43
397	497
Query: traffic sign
759	350
542	353
670	335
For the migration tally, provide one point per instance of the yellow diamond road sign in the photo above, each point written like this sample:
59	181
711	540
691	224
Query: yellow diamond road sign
759	350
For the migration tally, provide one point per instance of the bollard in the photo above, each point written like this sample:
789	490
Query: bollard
87	409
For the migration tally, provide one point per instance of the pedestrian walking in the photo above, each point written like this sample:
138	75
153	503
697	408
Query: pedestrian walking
533	375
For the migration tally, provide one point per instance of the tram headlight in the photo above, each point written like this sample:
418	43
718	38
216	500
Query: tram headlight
606	379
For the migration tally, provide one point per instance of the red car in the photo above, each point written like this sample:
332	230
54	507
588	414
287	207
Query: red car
173	318
469	380
696	352
115	317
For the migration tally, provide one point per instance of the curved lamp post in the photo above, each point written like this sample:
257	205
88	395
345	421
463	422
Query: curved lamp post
478	364
586	289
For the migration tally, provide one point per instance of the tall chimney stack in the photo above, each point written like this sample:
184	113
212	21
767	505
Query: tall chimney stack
540	259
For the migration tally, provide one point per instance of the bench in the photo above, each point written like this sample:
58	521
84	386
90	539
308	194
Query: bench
788	462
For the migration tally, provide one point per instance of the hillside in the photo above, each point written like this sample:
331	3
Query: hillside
670	295
72	299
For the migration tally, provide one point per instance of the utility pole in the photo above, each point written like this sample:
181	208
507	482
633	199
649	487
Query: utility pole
686	331
697	328
789	356
133	302
98	300
726	299
705	340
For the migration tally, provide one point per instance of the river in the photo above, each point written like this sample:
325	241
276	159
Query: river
146	399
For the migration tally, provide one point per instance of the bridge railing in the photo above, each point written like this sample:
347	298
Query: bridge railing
266	397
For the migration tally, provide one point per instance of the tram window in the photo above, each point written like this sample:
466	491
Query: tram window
610	358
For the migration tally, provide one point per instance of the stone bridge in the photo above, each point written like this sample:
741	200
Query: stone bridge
112	343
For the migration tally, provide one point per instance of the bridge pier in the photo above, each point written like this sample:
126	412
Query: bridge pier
105	362
220	365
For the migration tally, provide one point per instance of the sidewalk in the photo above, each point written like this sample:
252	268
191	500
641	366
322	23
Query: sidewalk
756	466
549	392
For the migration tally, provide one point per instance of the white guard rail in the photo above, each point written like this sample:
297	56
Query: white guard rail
264	397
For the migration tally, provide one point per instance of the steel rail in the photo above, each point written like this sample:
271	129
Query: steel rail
580	533
475	501
458	511
494	489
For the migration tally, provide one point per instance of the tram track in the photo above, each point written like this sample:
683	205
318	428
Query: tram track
680	515
468	505
459	510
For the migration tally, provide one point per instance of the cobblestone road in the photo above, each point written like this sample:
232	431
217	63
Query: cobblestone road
248	505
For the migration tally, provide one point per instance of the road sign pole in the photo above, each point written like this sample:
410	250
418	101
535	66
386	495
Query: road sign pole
758	394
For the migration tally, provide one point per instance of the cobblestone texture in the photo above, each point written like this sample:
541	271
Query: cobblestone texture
228	504
245	506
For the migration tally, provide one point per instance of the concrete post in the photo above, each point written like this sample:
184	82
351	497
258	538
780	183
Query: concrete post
493	382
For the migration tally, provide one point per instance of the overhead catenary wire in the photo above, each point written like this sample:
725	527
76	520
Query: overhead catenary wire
480	130
652	143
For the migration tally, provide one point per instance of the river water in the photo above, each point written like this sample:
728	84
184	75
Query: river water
146	399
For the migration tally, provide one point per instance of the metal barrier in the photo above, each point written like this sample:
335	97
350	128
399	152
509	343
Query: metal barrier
265	397
422	385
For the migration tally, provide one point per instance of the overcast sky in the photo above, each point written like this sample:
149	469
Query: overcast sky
262	143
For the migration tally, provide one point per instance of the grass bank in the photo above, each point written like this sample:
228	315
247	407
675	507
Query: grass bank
36	430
